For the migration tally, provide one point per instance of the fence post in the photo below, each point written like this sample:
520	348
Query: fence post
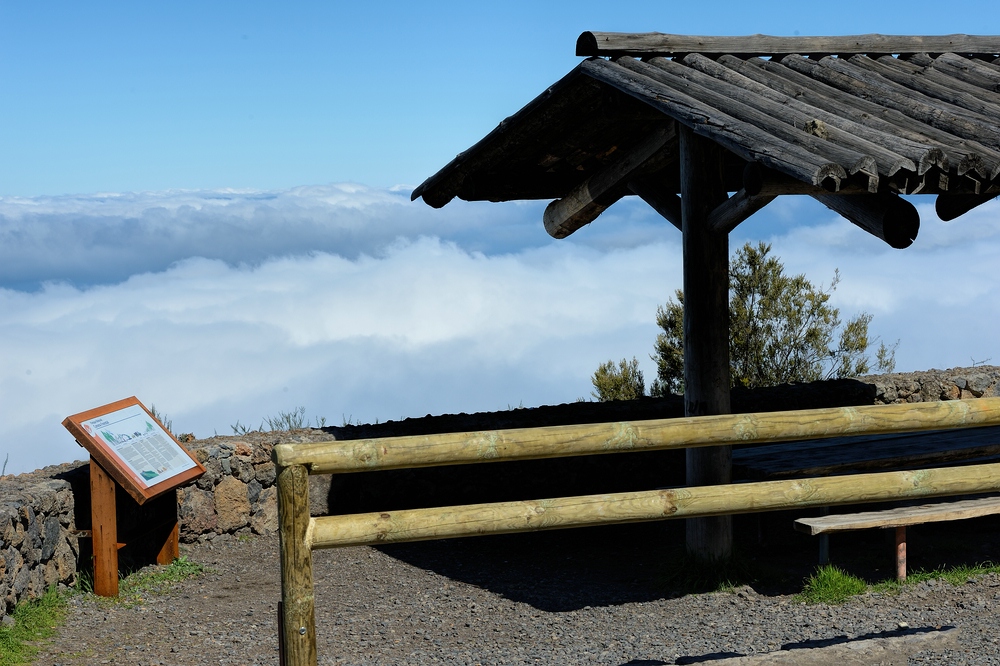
298	621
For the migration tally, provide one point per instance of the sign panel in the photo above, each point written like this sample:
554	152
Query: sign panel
134	448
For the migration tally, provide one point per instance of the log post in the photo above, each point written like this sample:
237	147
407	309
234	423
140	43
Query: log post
298	610
706	330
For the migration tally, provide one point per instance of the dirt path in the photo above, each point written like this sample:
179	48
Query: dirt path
582	596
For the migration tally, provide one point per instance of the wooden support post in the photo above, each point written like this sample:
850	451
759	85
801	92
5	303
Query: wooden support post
298	622
104	531
170	548
706	330
901	553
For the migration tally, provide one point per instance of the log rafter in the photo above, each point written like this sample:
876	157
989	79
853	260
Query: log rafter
888	115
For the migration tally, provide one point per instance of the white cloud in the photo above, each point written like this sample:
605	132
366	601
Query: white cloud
425	327
359	304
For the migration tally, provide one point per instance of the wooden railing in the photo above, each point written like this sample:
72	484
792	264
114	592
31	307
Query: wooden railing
300	534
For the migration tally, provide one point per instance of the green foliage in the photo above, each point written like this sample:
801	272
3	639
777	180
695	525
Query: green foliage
830	585
292	420
782	329
669	347
621	382
155	580
33	621
164	420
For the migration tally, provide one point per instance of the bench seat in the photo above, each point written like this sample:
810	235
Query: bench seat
898	518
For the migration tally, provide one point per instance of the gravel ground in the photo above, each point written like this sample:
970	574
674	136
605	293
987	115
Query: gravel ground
595	596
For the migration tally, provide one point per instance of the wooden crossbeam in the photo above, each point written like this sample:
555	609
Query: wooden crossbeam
667	204
593	196
951	206
656	43
883	215
728	215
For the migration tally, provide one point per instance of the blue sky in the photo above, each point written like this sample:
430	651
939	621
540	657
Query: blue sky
206	205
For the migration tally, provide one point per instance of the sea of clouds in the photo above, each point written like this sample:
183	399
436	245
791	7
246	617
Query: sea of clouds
226	307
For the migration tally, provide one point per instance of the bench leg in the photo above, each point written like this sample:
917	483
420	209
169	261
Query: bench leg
824	540
901	554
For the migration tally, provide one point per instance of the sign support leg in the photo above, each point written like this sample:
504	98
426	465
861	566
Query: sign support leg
104	530
170	550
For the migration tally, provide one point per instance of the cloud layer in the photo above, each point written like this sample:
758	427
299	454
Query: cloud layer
220	307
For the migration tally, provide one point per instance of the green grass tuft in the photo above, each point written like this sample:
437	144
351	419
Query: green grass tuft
34	621
155	580
830	585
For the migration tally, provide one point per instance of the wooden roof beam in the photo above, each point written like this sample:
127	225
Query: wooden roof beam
883	215
596	194
784	120
920	153
742	138
951	206
863	83
964	154
659	44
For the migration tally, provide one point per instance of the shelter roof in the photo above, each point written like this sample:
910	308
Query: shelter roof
870	113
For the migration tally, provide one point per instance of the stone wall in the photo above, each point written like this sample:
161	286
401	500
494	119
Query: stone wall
37	546
930	385
237	494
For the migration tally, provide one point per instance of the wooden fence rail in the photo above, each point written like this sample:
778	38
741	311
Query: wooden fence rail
300	534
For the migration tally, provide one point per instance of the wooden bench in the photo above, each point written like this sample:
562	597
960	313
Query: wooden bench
898	518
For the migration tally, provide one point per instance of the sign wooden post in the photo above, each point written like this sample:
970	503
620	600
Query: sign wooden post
129	448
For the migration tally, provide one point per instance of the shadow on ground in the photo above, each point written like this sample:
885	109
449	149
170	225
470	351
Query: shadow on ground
571	569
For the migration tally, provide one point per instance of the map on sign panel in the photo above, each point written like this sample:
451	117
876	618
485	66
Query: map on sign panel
140	443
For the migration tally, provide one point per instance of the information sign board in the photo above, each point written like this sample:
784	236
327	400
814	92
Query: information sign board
134	448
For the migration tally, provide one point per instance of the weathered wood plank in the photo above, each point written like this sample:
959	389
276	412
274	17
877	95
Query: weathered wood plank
863	83
933	84
742	102
922	154
655	43
592	197
659	434
965	155
732	102
955	79
972	71
616	508
706	330
883	215
744	139
900	516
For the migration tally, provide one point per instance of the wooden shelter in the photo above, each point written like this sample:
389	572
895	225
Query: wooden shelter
709	130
